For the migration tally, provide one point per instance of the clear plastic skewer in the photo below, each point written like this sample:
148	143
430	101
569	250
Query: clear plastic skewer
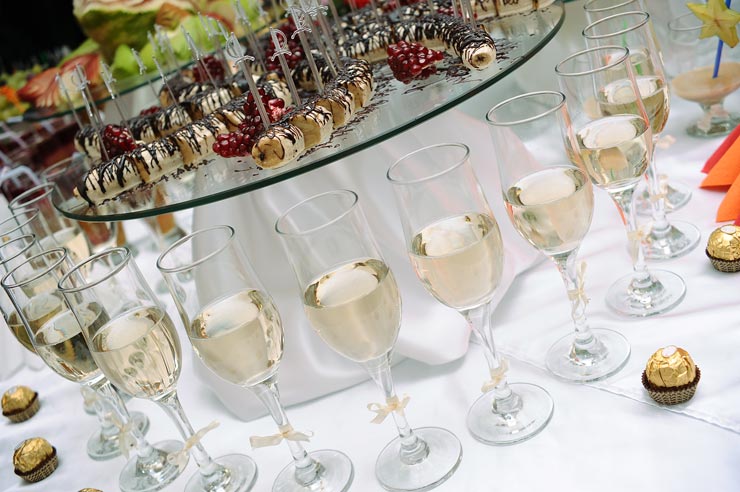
318	11
213	38
68	100
254	46
195	52
301	28
143	71
83	85
430	5
110	84
235	52
165	47
374	8
165	81
337	22
281	49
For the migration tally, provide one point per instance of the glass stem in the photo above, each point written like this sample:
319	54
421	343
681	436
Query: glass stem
505	401
413	449
660	226
213	476
146	453
307	470
641	276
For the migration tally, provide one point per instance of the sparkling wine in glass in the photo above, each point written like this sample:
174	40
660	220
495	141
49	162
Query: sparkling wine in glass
51	228
352	301
665	240
138	349
598	9
455	246
615	151
65	175
550	202
57	337
236	331
690	62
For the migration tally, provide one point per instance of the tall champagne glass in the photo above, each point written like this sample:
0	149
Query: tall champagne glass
665	240
351	299
236	331
57	229
21	223
598	9
56	335
550	202
690	62
615	149
138	349
455	247
65	175
12	254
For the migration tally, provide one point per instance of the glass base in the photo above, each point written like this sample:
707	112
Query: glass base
242	475
140	477
609	353
101	449
719	127
442	459
680	239
498	429
677	195
663	293
335	475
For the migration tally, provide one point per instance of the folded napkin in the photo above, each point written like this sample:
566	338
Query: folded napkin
723	168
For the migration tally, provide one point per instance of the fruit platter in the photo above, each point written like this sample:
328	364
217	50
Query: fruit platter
386	70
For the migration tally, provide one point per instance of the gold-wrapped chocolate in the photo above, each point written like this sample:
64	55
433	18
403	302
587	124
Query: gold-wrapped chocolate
724	243
670	367
17	398
90	490
31	454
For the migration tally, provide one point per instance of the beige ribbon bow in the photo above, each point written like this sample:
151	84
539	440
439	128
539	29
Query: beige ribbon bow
180	458
636	238
126	441
497	375
393	404
662	187
286	432
578	293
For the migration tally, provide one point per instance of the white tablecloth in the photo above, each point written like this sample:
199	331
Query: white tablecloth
595	441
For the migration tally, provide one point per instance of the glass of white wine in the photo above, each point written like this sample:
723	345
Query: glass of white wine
54	229
550	202
65	175
690	60
21	223
352	301
634	30
455	247
12	254
138	350
56	335
236	331
598	9
615	150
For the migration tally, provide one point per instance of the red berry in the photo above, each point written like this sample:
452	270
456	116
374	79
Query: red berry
409	61
117	140
213	65
150	110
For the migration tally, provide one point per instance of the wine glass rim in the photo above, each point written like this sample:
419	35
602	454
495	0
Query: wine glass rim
560	95
183	240
45	271
637	13
672	25
624	56
44	174
603	9
34	212
340	216
455	165
23	250
86	285
17	200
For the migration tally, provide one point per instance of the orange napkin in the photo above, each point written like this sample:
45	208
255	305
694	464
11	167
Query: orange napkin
726	170
717	155
729	209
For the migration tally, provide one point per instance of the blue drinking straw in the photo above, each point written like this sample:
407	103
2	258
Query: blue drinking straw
719	50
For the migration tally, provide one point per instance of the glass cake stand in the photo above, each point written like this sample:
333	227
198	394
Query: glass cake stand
394	108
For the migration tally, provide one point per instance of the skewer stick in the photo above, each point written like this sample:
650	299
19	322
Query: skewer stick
68	99
195	53
301	27
80	81
281	49
254	45
235	52
110	84
142	72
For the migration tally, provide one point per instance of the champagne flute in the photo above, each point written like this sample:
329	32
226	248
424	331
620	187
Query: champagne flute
65	175
455	247
634	30
56	334
690	62
351	299
615	151
138	349
550	202
21	223
56	230
599	9
236	331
